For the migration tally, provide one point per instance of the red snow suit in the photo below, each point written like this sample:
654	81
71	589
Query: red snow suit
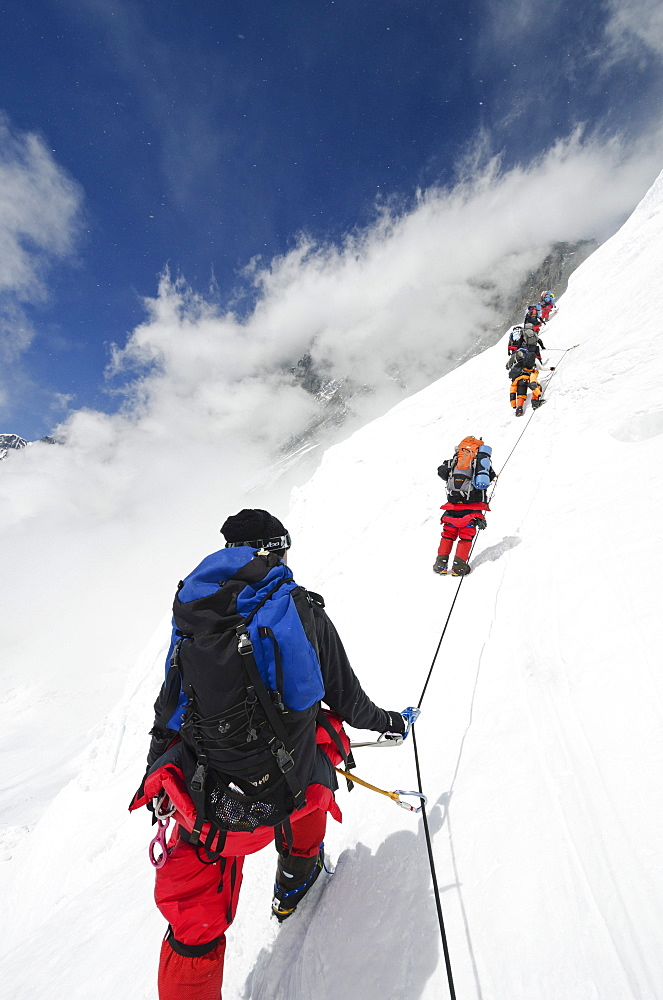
458	522
199	898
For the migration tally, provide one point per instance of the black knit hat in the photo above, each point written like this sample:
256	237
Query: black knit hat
255	528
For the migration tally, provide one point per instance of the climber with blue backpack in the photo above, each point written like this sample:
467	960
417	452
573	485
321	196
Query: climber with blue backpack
242	753
514	340
548	304
467	476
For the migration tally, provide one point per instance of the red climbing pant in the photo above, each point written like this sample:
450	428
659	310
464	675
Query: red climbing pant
191	977
199	902
462	528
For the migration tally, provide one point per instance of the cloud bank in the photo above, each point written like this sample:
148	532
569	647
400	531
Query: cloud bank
393	307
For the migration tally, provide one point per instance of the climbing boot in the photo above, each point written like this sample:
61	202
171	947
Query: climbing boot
519	411
441	565
294	878
460	567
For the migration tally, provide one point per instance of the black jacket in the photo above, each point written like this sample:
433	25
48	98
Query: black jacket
518	369
537	321
343	692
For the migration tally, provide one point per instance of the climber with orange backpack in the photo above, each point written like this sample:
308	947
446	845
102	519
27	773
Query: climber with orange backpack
467	476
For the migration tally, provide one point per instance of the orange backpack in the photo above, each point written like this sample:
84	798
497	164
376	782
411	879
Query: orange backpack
462	469
467	452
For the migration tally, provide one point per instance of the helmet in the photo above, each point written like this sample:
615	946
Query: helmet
521	354
516	329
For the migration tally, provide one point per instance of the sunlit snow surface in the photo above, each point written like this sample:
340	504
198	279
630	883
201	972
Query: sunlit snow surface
541	737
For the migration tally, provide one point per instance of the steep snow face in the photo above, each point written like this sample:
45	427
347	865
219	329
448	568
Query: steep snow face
541	733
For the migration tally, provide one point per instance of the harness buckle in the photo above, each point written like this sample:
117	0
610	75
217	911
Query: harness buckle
283	759
198	780
244	644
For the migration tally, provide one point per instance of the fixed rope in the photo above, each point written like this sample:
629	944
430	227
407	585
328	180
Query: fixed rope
429	845
566	351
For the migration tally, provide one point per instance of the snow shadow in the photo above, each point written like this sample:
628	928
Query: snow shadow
641	427
494	552
370	931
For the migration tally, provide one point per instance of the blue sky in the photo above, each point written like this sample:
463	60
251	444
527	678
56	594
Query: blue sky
203	136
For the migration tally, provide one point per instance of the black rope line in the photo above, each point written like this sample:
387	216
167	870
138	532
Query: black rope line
436	889
543	392
446	624
424	815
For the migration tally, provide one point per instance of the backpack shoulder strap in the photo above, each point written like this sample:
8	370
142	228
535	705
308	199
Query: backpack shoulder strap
323	721
316	599
169	695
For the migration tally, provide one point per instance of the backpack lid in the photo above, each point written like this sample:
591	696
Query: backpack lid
466	453
219	567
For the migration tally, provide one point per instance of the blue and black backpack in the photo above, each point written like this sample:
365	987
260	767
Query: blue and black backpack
243	688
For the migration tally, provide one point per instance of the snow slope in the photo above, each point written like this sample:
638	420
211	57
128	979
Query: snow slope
541	733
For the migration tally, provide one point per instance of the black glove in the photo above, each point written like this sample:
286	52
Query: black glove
480	523
161	740
396	725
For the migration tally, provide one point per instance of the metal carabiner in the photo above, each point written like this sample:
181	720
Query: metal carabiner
408	805
157	806
382	741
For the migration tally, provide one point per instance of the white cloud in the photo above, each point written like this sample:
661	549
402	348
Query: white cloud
634	27
39	208
39	204
397	303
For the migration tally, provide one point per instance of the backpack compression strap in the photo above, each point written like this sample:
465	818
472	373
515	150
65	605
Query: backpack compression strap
170	691
348	759
277	745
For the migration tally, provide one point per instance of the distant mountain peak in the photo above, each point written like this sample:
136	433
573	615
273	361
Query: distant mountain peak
10	442
14	442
